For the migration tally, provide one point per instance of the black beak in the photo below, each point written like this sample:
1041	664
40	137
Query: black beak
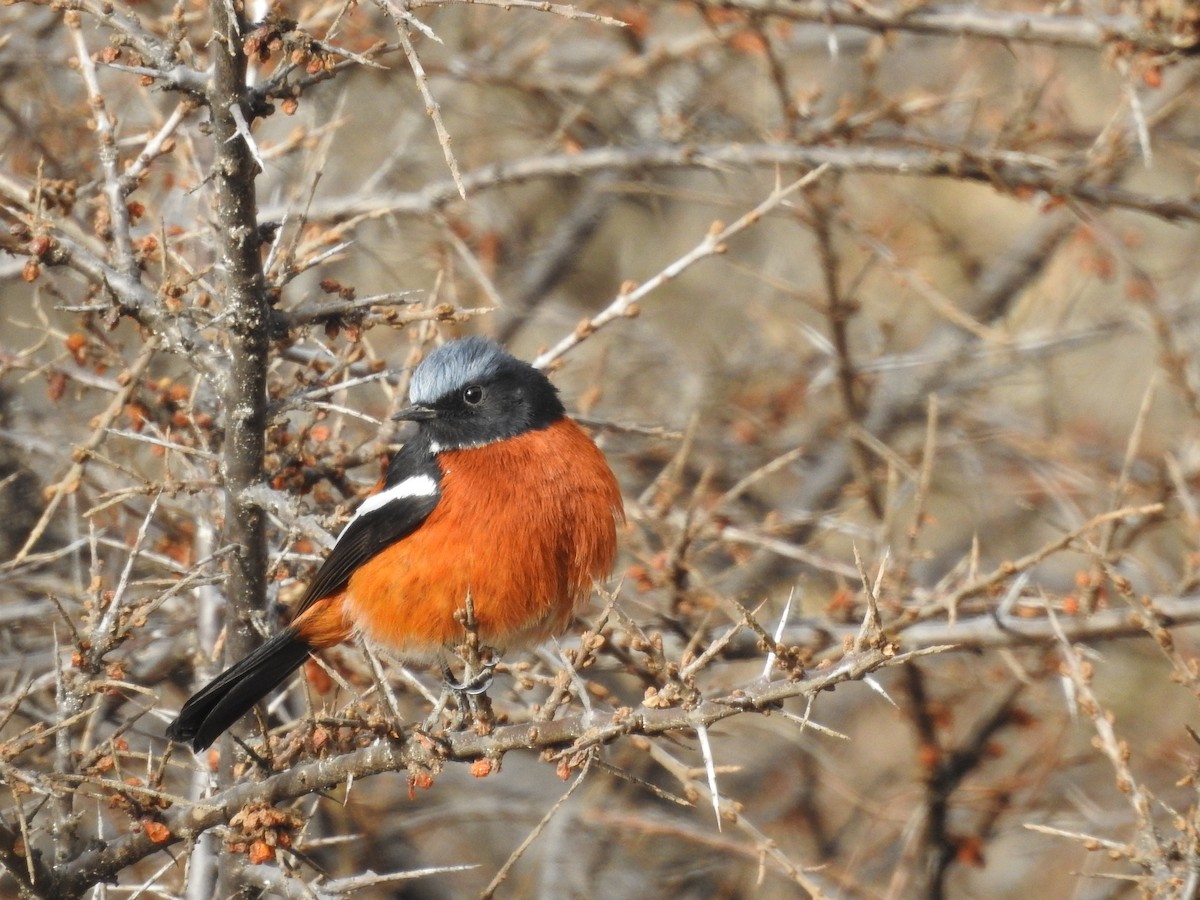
415	413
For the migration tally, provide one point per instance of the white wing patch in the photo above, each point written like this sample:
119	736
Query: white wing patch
413	486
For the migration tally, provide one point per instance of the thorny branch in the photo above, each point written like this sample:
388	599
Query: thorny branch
1010	172
567	736
994	316
713	244
959	20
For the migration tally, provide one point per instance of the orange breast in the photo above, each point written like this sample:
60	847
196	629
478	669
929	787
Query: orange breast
525	525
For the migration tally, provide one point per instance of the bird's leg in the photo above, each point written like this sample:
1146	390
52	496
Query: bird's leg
469	694
479	662
480	706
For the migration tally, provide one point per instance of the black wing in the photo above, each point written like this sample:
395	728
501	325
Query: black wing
380	527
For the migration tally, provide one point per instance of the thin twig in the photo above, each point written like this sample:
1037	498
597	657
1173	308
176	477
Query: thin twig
403	20
118	212
498	879
714	243
70	481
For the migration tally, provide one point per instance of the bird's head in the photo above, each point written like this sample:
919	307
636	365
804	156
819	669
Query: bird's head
470	392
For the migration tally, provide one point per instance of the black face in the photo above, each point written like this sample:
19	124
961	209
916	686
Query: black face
470	393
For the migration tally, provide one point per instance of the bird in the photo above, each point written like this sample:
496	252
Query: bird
498	496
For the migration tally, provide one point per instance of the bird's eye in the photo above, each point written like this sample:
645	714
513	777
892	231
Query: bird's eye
472	395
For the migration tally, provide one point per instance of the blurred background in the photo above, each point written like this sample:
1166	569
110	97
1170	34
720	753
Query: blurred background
965	355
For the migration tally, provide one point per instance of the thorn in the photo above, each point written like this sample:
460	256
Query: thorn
1068	687
878	688
783	618
710	770
806	723
1011	596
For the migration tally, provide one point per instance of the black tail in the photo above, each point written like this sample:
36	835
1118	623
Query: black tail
230	695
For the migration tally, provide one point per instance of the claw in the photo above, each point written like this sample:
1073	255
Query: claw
474	685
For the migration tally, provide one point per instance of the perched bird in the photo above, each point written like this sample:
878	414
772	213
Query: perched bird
498	494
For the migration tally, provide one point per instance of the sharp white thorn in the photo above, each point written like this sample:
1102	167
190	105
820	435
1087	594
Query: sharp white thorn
878	688
710	770
783	619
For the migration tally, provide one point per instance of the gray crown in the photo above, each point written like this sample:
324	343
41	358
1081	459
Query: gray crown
453	366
